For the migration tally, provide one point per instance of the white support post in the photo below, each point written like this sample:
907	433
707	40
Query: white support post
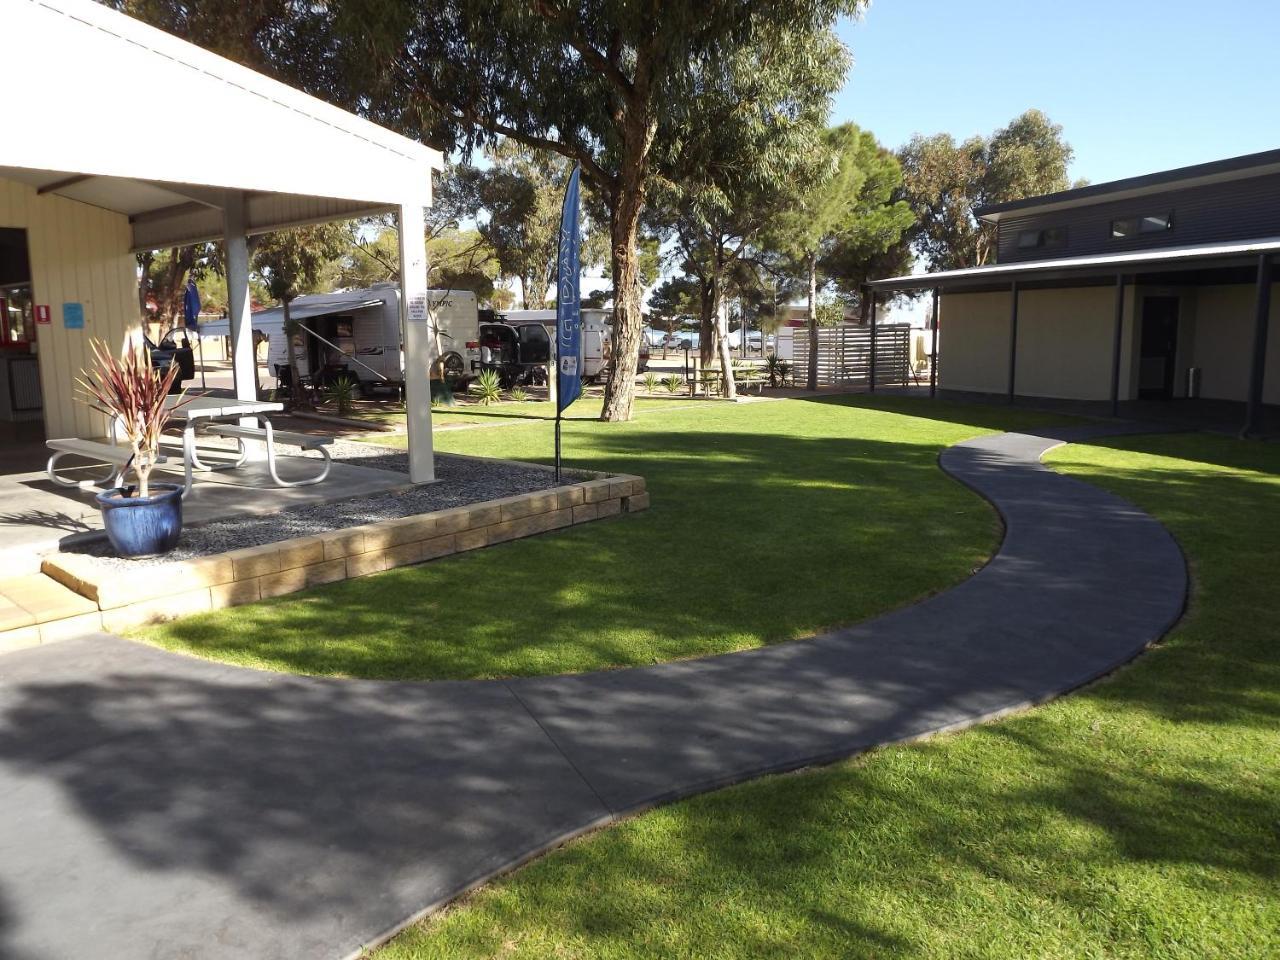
418	341
245	368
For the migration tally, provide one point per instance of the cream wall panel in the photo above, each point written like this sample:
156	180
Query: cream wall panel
1224	342
1064	343
973	342
79	254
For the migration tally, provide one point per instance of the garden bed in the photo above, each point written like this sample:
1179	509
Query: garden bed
475	503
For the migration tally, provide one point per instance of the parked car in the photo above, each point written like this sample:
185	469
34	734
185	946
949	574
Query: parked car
174	347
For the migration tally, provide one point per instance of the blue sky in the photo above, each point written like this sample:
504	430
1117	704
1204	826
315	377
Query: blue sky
1138	85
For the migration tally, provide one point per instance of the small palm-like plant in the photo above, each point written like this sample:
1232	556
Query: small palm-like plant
518	394
784	371
341	395
132	393
773	365
488	387
650	383
673	383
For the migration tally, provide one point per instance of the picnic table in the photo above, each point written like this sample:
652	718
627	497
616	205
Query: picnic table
223	416
711	380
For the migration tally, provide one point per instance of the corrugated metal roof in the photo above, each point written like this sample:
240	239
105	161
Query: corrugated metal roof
321	162
1216	171
1101	265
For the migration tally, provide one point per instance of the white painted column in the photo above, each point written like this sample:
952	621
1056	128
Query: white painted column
244	369
419	342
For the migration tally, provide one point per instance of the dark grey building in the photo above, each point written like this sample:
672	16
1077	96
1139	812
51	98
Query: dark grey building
1154	287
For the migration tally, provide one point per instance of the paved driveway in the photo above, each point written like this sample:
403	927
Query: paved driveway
156	805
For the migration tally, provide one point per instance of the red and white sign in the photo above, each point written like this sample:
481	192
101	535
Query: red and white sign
42	313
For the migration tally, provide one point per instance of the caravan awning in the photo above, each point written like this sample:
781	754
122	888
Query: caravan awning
271	321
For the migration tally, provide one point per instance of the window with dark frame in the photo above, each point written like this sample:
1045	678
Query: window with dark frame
1048	238
1126	227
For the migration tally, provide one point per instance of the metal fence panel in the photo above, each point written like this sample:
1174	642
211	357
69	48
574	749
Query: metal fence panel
844	355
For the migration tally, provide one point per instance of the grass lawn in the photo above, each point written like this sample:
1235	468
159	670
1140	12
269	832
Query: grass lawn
1138	818
769	521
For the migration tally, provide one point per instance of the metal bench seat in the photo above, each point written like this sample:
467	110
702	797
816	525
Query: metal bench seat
270	436
115	457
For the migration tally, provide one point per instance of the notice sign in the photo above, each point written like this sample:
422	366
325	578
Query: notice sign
418	308
73	316
42	313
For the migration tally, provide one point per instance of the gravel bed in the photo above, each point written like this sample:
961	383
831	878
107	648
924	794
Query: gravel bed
460	481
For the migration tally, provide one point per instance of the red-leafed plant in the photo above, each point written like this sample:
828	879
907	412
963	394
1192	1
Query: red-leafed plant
131	392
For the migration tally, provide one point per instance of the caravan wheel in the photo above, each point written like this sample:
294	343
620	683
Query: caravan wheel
453	366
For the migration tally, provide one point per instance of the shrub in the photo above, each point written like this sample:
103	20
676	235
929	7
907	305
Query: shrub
341	395
488	387
518	394
673	383
650	383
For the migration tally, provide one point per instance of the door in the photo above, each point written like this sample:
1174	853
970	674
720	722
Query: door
1159	348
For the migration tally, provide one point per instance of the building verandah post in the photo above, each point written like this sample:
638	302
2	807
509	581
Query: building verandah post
1116	343
1013	338
244	367
419	339
1258	360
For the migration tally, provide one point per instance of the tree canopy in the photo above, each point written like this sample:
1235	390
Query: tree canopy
945	182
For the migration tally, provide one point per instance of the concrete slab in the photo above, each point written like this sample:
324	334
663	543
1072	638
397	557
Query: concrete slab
157	805
36	514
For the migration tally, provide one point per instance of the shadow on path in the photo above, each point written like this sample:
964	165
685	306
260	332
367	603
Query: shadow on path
154	804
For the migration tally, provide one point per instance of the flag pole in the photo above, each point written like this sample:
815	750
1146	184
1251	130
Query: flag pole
557	447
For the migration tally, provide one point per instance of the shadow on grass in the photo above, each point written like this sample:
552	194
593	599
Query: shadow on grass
751	539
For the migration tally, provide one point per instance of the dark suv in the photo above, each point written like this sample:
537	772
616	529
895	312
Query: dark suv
174	347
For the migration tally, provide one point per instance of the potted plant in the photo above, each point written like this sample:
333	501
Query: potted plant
147	519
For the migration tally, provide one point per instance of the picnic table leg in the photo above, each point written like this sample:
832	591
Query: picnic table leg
188	454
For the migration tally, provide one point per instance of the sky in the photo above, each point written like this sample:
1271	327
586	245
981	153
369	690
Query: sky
1137	85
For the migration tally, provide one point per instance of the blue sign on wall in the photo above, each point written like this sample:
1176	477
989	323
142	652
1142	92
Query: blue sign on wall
73	316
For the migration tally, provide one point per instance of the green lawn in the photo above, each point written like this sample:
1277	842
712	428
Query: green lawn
1138	818
769	521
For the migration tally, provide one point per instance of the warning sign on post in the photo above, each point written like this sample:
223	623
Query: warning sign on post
418	308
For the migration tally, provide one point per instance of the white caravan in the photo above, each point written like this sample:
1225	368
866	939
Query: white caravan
357	334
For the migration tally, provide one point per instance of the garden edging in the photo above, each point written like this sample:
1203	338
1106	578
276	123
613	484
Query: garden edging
275	569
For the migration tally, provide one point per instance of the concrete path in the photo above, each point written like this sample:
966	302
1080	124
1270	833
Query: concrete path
155	805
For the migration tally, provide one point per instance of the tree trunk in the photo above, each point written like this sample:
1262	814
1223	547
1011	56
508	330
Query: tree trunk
706	323
624	224
728	388
812	379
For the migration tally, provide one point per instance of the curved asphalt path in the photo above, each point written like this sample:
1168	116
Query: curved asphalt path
155	805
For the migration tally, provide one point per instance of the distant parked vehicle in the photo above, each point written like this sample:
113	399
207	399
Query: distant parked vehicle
174	347
517	352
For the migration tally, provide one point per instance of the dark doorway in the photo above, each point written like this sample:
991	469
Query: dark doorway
1159	348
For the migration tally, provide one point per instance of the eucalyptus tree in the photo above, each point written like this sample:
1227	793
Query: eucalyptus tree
946	181
764	116
850	201
610	84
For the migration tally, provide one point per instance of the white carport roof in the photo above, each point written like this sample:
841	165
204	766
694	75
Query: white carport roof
87	68
271	320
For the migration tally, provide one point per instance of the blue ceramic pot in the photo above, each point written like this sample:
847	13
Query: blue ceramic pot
143	526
